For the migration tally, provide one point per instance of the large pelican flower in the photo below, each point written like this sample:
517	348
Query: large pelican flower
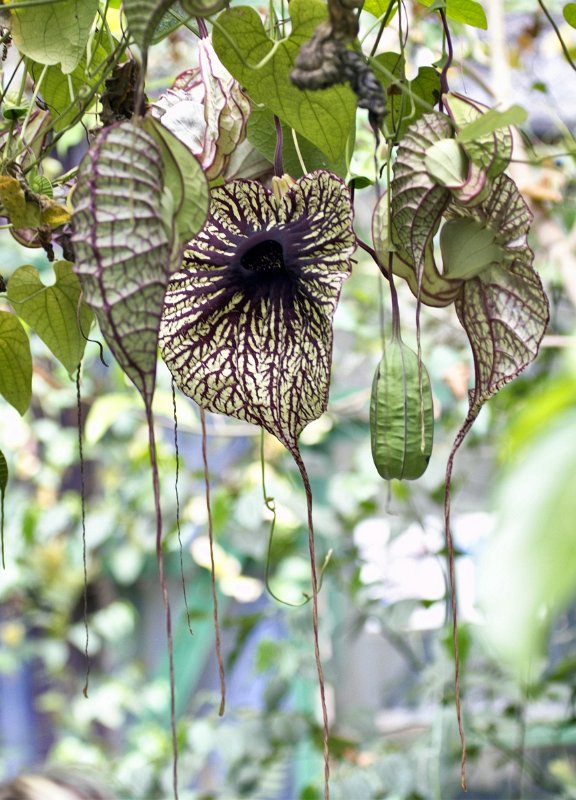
247	323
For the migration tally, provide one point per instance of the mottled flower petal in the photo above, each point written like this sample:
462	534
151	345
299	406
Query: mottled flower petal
247	324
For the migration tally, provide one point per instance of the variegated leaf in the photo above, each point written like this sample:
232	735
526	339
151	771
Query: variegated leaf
123	249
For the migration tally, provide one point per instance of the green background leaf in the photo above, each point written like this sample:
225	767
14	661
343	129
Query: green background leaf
379	7
325	117
143	17
491	121
55	33
569	12
15	362
262	135
55	88
402	95
52	310
467	11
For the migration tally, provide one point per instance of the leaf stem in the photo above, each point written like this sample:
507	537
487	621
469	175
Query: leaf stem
315	625
558	34
213	566
370	250
164	589
444	88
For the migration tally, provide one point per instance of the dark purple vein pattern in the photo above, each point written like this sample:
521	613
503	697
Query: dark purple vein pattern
247	325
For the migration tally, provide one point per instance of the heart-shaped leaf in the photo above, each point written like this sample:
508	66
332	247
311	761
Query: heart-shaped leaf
52	311
262	135
469	12
56	86
123	249
406	100
54	33
15	362
325	117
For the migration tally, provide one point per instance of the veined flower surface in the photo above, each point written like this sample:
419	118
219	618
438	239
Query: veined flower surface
247	323
207	110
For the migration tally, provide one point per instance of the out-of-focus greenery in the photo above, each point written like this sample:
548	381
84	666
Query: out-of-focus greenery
385	636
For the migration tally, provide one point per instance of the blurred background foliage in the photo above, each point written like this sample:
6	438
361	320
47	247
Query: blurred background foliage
385	634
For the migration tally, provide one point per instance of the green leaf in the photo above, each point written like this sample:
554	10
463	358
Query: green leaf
55	86
143	18
379	7
52	311
170	21
185	179
467	11
468	248
446	162
406	101
491	121
262	135
569	12
325	117
124	254
15	362
3	484
54	33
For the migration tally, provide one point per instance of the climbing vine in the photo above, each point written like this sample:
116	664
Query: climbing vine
215	222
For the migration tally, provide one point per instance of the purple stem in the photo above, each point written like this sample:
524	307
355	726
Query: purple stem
164	589
372	252
444	88
202	28
278	163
